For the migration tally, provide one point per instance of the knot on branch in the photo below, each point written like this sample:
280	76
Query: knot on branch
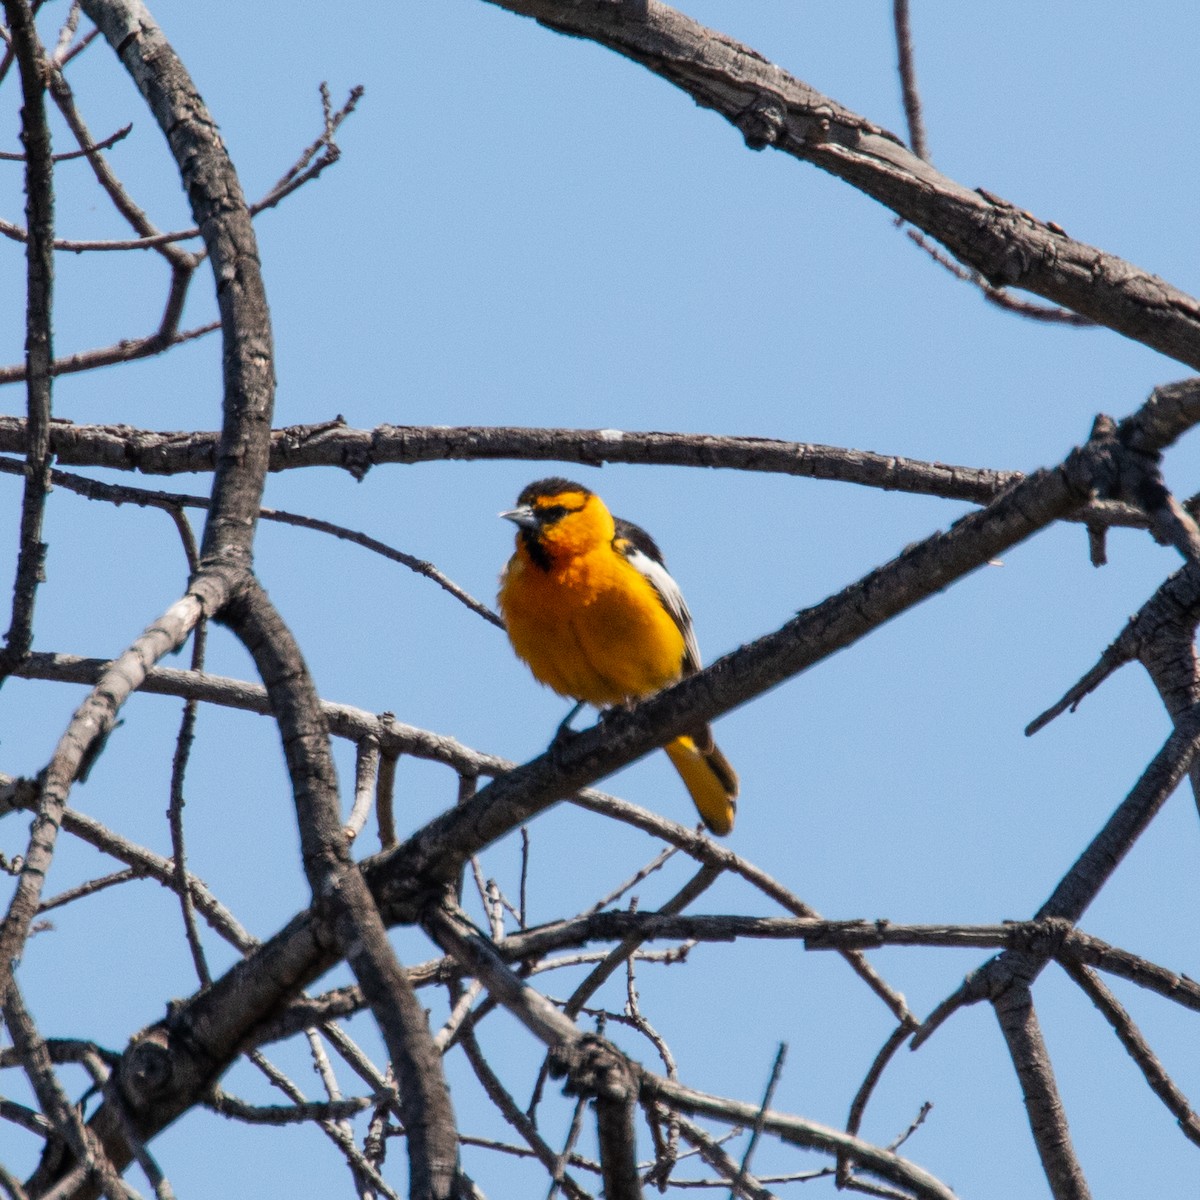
1042	939
1003	226
763	121
1124	463
594	1067
146	1070
1120	469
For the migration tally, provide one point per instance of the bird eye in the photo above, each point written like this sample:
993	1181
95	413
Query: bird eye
553	512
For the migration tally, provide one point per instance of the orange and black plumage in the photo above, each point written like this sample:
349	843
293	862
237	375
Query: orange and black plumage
590	607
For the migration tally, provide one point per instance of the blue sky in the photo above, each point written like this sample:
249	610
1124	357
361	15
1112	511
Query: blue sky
525	229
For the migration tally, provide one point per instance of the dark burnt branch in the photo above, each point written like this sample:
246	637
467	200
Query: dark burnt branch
1167	621
39	284
757	1128
644	872
532	947
344	720
179	762
220	212
215	197
1115	656
626	948
1134	473
334	444
769	107
695	887
1162	637
137	219
304	168
395	738
285	1114
332	1128
1092	870
748	1187
611	1084
301	172
1167	650
241	464
90	888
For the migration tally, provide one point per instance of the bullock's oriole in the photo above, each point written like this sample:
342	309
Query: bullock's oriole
589	605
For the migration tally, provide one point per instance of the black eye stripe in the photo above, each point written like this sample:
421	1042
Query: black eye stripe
555	512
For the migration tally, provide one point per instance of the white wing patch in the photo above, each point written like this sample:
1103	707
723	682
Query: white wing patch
672	599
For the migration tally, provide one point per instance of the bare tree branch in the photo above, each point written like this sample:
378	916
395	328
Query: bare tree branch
769	107
39	268
908	79
1019	1024
1160	1082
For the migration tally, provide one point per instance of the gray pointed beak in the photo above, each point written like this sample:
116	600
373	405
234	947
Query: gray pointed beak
523	516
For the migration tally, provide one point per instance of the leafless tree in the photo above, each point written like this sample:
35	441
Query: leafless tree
644	1120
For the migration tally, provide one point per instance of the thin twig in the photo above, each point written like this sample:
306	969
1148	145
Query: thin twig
90	888
657	862
68	155
756	1130
366	770
172	502
179	762
709	1148
1001	297
858	1106
908	79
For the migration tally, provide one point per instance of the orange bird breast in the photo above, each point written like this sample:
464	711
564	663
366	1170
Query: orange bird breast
591	627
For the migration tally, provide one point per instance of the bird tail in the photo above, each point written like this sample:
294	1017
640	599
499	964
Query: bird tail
709	778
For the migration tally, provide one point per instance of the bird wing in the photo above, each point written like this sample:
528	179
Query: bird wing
640	551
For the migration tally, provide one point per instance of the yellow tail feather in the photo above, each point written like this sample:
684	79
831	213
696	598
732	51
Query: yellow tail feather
710	779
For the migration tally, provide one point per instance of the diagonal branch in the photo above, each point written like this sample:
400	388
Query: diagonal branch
769	107
1023	1035
1163	1086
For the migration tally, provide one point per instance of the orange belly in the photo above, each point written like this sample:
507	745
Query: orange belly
593	629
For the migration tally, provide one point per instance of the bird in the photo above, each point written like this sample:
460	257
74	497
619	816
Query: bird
590	607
